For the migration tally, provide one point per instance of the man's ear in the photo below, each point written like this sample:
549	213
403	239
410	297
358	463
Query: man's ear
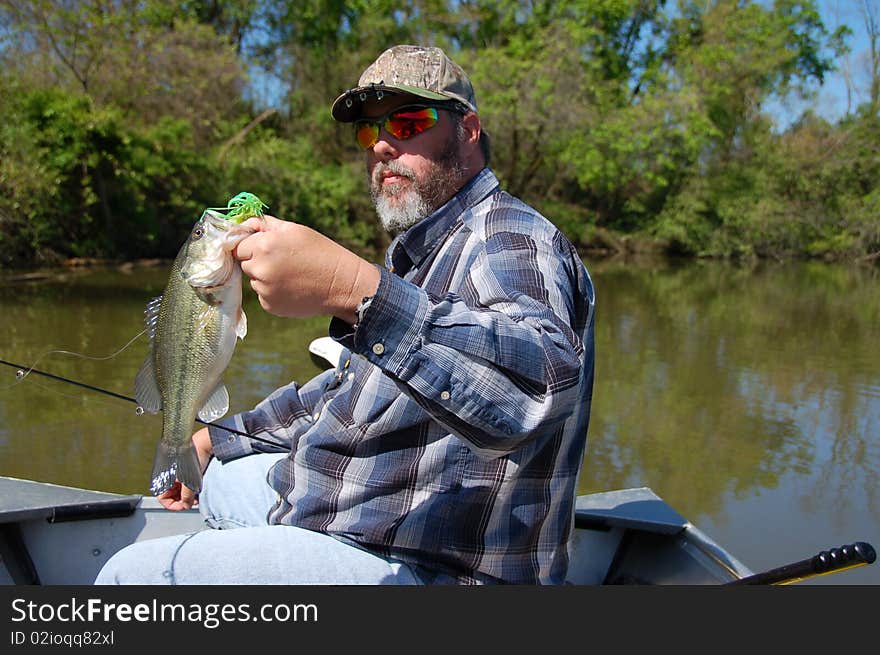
471	148
472	126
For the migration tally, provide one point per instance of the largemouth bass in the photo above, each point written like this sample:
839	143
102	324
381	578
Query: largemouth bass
193	328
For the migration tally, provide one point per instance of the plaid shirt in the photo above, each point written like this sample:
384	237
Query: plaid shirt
452	432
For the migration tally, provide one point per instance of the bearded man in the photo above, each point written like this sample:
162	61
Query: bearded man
446	445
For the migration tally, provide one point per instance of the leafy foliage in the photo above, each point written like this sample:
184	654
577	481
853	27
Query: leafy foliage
630	123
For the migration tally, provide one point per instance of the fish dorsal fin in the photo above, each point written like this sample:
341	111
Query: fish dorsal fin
146	389
241	326
216	405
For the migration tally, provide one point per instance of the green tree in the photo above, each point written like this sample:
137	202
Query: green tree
735	57
627	122
116	106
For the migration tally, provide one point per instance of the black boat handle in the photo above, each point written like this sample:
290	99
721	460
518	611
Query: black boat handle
833	560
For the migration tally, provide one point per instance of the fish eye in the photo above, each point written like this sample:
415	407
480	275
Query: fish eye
198	233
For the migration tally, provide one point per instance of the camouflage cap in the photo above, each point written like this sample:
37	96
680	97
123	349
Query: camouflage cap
424	72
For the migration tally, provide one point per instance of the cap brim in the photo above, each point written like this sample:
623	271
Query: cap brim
348	107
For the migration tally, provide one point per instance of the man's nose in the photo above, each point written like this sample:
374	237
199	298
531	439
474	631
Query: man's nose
385	147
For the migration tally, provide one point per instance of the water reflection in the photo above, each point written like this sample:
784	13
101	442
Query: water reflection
720	387
747	398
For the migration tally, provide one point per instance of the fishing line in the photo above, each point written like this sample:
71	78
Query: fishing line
20	375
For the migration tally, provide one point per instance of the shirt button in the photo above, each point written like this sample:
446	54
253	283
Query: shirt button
351	376
444	395
378	348
317	415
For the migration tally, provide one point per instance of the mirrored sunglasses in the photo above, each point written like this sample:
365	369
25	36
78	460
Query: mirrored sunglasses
402	123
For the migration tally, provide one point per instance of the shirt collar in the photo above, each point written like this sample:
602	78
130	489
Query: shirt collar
410	248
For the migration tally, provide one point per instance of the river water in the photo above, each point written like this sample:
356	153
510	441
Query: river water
748	398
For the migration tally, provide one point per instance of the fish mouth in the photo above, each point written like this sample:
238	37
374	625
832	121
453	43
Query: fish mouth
232	232
216	220
209	260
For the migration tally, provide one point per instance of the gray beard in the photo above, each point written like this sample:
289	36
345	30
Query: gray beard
399	208
402	205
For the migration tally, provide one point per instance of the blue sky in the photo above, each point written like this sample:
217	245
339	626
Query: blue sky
832	98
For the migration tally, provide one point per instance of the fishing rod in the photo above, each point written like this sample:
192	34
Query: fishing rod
24	371
833	560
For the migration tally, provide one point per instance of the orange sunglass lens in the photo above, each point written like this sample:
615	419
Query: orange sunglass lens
367	134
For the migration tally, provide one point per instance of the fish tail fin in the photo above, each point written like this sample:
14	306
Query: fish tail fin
175	463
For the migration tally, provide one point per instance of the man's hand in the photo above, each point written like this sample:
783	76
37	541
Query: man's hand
179	497
298	272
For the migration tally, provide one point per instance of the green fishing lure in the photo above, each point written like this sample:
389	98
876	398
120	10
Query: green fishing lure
242	207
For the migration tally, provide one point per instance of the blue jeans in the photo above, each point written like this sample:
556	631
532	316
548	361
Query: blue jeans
242	548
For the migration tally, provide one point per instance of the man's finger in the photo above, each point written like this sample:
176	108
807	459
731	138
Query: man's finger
256	223
242	251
